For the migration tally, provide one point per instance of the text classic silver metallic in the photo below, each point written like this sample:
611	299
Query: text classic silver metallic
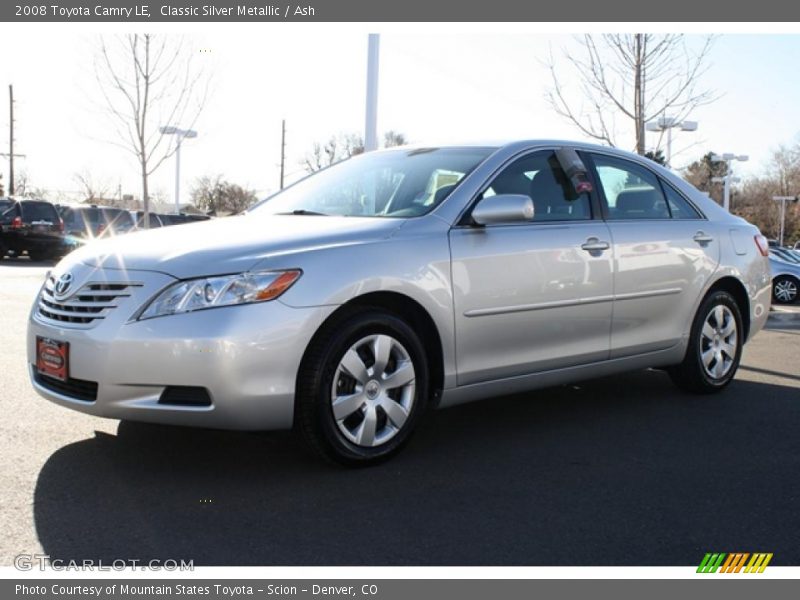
400	280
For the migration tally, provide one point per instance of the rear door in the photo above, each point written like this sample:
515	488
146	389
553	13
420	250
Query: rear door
664	253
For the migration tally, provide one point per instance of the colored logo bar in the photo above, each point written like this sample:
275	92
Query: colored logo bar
734	562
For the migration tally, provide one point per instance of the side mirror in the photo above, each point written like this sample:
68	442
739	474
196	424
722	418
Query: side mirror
503	209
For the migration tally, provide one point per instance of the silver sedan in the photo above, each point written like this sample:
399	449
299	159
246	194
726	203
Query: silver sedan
349	304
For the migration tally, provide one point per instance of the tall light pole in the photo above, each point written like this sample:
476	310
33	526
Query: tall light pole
371	126
783	200
668	124
728	158
181	134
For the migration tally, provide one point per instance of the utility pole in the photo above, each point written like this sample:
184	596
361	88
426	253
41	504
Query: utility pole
283	149
11	154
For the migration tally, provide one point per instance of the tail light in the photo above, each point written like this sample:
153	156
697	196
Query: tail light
16	223
60	226
762	244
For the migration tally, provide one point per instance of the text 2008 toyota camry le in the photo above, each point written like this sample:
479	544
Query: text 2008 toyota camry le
355	300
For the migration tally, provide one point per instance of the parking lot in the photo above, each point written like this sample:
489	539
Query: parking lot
616	471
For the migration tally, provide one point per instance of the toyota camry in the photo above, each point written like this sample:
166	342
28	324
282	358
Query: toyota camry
354	301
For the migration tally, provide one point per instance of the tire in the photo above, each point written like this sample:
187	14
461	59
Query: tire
785	289
374	419
715	348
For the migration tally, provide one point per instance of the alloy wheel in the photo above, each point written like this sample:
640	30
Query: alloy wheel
785	291
718	342
373	390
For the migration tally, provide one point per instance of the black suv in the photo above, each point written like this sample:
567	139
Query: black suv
31	226
89	222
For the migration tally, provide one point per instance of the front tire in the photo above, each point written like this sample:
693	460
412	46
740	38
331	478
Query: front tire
785	289
715	346
362	388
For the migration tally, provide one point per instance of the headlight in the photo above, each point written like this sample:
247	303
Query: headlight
211	292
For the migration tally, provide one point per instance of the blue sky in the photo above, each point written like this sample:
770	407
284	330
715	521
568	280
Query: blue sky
437	87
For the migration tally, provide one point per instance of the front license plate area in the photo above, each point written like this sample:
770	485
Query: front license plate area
52	358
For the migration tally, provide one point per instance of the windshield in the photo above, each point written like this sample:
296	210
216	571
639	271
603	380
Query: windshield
399	183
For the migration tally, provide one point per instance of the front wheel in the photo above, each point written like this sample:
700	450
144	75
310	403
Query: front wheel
715	346
362	388
784	289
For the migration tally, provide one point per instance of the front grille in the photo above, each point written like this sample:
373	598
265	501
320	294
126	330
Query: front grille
89	304
183	395
78	389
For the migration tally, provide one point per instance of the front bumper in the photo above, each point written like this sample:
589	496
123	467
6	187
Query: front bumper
246	357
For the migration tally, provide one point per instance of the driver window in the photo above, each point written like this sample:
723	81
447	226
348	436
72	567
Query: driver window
540	177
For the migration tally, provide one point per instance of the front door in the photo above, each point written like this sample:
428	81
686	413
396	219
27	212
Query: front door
534	296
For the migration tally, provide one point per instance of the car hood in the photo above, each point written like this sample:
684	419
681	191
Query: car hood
231	244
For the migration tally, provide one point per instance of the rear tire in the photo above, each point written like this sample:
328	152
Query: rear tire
362	388
715	346
785	289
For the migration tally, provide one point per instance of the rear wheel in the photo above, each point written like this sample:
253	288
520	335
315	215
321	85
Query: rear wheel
715	346
362	388
785	289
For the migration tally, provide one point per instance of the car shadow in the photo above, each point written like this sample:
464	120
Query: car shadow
615	471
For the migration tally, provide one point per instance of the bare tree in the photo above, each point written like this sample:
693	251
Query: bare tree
337	148
392	139
342	146
149	81
24	189
637	77
217	196
91	188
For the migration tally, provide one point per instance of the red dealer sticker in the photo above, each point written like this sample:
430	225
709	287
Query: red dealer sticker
52	358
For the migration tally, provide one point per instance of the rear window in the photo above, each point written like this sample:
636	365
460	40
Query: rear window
118	218
39	211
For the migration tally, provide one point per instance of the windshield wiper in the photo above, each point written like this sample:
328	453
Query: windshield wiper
304	212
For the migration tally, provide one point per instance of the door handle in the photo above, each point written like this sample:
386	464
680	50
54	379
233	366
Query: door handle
701	237
595	245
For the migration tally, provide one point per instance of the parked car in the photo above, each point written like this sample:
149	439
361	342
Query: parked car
785	254
785	279
90	222
138	216
32	227
182	218
351	302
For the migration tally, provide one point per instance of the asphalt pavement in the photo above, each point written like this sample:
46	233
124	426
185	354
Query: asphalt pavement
616	471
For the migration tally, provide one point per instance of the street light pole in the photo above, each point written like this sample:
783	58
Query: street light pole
668	124
178	176
181	135
783	200
728	158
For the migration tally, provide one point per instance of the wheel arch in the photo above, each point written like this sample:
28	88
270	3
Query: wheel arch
409	310
736	289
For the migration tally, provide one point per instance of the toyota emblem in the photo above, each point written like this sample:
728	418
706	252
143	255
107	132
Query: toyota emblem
63	283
